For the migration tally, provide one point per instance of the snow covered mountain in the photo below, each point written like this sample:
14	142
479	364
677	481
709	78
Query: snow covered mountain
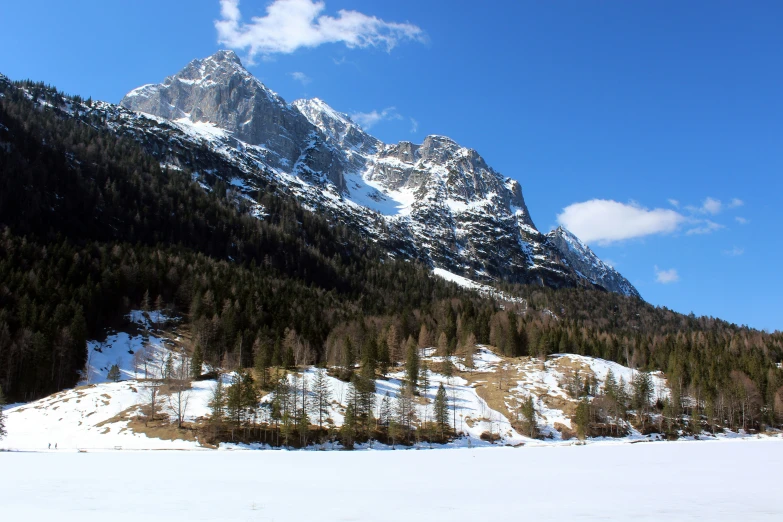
580	258
436	201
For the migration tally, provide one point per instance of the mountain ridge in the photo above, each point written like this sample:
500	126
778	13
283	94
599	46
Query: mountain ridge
439	200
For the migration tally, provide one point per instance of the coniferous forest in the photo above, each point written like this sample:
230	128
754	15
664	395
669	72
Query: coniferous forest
91	227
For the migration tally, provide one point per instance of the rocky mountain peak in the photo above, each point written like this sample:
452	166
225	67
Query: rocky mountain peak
438	201
218	90
225	55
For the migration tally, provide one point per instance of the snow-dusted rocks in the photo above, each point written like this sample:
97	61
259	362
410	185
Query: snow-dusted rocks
437	201
580	258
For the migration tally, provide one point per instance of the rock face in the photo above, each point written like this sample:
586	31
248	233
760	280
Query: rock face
436	201
581	259
220	91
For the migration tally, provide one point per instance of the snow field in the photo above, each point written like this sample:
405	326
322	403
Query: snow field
715	481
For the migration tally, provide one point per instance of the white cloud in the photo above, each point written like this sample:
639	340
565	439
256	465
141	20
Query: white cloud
742	220
414	126
606	221
734	252
704	227
674	203
292	24
711	206
300	77
736	203
367	119
666	277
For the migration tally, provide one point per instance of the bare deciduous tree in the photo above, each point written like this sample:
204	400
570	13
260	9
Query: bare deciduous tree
179	390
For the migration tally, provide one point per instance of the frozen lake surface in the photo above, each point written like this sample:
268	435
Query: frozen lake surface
715	481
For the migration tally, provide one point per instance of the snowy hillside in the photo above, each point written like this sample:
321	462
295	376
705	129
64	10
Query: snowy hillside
485	397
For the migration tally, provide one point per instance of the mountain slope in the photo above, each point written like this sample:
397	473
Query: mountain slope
584	261
436	201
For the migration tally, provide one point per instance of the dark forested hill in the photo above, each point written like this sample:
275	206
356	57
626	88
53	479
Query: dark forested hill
92	226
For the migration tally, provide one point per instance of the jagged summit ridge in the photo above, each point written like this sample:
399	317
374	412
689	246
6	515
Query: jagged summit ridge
436	201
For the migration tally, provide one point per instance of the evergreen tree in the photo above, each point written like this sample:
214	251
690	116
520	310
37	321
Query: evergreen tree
448	368
441	408
197	362
582	418
610	385
234	401
349	356
529	416
412	367
424	377
348	429
217	402
114	373
384	358
322	396
168	368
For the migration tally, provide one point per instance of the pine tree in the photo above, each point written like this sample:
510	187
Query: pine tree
441	408
234	400
582	418
348	429
197	362
168	368
412	367
349	357
393	342
217	403
424	378
448	368
610	385
322	396
2	414
114	373
283	406
529	416
384	358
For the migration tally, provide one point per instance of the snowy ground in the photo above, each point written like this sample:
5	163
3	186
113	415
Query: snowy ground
676	481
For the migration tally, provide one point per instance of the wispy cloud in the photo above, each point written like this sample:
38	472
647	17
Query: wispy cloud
741	220
736	203
301	77
704	227
711	206
366	120
674	203
666	277
414	126
293	24
734	252
606	221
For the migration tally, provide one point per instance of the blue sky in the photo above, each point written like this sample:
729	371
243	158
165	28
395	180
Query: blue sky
654	130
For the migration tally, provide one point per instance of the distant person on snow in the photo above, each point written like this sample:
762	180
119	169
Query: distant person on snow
55	445
50	445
